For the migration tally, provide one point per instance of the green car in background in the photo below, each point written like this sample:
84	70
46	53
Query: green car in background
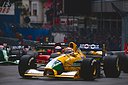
4	56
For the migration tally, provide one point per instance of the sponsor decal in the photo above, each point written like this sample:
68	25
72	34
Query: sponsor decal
89	46
6	7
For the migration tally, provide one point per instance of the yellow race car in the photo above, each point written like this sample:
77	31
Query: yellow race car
72	63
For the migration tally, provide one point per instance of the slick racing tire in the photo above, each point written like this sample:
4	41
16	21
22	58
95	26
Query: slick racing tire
125	64
122	59
89	69
26	62
112	66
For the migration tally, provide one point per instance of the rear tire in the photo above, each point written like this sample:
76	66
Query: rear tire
26	62
125	64
89	69
112	66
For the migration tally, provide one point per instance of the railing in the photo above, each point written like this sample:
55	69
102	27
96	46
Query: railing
15	41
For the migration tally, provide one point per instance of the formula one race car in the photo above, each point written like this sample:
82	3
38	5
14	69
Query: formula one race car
11	54
3	55
47	51
72	63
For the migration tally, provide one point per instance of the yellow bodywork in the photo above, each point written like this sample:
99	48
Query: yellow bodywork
67	60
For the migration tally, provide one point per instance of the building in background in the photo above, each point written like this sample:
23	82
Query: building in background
91	20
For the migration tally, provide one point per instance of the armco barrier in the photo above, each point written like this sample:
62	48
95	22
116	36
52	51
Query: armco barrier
14	41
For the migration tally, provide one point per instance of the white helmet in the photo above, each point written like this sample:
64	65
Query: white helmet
68	50
58	49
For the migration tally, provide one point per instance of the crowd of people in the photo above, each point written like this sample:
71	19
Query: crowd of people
111	40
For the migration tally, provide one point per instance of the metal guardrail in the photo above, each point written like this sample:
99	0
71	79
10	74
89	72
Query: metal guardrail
10	41
15	41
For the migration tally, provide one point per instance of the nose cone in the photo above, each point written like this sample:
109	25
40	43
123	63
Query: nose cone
55	65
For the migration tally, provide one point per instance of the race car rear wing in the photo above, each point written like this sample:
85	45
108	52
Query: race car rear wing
88	47
51	45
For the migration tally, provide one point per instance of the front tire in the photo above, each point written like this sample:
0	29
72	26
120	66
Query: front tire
89	69
26	62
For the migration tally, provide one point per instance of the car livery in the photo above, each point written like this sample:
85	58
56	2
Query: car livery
70	64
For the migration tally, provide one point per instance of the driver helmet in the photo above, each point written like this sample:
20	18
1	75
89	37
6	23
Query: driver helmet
68	50
26	48
58	49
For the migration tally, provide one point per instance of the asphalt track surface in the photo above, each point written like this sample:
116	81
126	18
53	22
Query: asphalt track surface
9	76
